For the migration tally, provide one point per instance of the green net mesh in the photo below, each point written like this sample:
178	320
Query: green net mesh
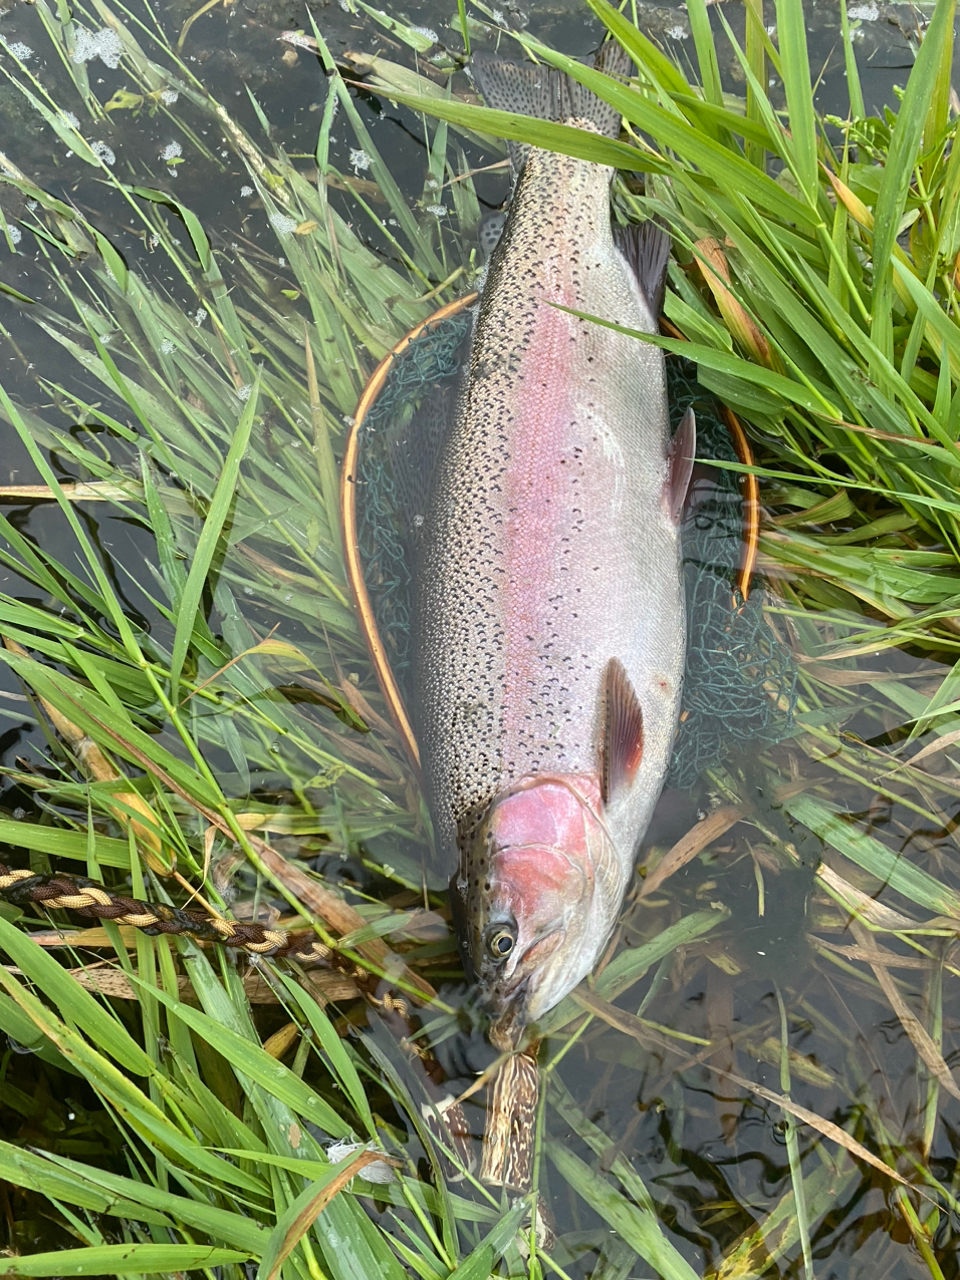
740	682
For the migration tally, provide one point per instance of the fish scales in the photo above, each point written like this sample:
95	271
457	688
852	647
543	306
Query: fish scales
550	549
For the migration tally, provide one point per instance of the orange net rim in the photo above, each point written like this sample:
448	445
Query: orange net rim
348	511
749	485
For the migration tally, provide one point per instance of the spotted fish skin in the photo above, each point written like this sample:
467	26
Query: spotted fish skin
550	558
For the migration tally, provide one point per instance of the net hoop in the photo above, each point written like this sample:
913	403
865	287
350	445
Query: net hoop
348	513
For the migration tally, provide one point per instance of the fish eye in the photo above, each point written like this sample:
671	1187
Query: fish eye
501	943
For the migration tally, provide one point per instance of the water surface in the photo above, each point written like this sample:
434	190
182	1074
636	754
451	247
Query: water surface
788	990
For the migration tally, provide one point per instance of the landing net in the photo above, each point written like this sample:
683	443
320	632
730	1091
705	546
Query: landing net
740	682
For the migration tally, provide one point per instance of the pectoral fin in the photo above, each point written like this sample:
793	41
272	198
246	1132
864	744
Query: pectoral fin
622	748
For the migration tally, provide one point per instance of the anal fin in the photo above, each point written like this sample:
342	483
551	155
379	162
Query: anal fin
683	451
622	748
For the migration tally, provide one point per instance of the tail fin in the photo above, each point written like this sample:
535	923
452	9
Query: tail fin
548	94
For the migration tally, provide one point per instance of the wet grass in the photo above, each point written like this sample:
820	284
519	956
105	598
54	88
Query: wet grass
761	1078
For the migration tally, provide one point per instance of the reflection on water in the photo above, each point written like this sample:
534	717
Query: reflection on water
786	957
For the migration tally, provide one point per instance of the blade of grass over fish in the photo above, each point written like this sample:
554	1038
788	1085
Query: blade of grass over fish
123	1260
658	66
566	139
726	167
214	524
785	388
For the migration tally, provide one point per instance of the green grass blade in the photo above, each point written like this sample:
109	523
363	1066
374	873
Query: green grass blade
122	1197
74	1004
122	1260
208	543
254	1062
795	67
333	1048
706	51
852	76
867	852
634	1223
900	162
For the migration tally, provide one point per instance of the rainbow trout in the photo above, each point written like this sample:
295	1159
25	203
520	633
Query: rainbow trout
550	610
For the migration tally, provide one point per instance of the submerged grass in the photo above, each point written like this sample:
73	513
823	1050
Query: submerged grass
223	741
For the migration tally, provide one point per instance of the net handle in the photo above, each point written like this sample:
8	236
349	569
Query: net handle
348	511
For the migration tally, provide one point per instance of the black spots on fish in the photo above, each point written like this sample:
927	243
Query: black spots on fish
490	231
542	92
496	364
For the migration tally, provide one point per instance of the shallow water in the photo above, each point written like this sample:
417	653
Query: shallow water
661	1089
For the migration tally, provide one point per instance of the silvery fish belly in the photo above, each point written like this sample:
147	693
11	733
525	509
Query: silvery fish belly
550	608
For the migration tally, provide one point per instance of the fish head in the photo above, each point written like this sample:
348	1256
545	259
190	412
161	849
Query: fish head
536	898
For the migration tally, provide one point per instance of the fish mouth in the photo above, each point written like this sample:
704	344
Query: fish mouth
500	999
507	1002
509	1022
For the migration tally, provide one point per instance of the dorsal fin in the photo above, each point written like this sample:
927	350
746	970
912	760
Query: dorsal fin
683	450
622	748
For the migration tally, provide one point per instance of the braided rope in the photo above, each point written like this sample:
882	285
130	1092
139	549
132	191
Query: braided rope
59	891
